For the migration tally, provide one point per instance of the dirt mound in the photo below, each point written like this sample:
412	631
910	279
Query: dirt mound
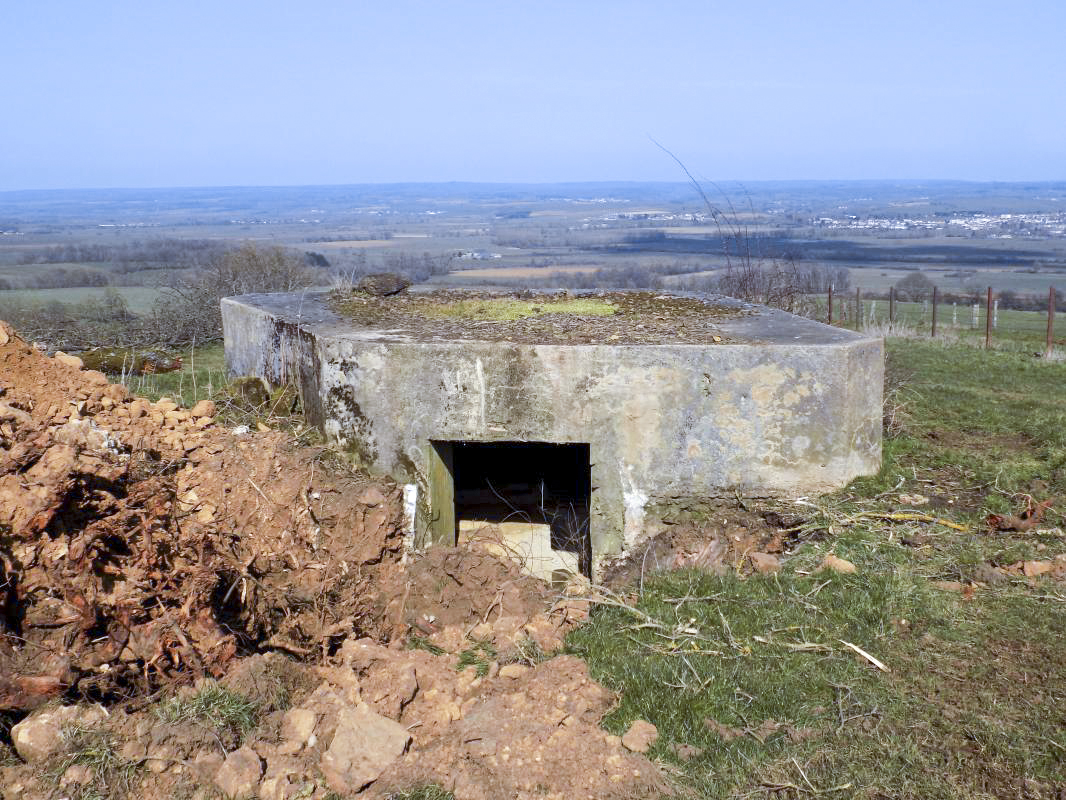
458	597
460	586
517	731
532	733
722	540
141	544
239	605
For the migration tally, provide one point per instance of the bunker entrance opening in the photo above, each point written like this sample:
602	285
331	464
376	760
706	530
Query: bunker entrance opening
527	500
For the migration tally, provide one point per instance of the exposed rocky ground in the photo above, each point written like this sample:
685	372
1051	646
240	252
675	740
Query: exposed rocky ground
188	611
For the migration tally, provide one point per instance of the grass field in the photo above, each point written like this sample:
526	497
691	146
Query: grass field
518	273
874	279
353	244
754	673
202	375
138	298
1023	331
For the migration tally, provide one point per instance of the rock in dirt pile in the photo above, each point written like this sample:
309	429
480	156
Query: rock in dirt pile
185	609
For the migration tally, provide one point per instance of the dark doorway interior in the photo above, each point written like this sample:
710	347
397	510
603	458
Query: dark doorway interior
527	481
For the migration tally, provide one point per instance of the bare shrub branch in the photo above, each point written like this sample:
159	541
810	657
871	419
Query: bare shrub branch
189	309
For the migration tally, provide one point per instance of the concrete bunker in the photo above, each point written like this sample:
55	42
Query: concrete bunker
527	500
674	402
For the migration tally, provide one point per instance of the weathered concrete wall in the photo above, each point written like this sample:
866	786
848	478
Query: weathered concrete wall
796	409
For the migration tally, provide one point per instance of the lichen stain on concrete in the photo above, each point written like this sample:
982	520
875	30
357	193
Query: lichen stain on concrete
347	423
645	395
755	408
517	393
407	465
800	445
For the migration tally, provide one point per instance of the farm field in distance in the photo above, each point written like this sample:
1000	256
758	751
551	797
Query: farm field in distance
871	279
138	298
963	236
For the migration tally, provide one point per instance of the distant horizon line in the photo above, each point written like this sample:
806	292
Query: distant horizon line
597	182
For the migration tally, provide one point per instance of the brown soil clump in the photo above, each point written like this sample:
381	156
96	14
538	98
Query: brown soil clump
638	318
536	735
140	545
722	540
453	597
463	586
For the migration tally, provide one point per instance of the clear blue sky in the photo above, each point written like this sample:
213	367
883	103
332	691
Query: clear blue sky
114	93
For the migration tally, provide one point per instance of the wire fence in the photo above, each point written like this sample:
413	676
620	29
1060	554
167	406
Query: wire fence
934	317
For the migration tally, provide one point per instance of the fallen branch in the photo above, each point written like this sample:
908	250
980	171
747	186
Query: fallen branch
912	517
798	647
879	664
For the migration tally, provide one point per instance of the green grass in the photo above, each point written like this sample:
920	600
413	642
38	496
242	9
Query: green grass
880	279
762	657
1014	330
994	417
203	373
94	748
430	792
974	702
422	643
203	376
479	655
226	713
